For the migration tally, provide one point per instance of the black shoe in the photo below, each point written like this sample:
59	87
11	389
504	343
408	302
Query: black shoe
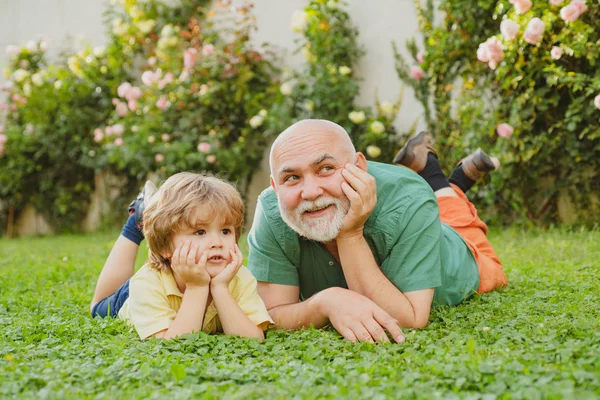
138	205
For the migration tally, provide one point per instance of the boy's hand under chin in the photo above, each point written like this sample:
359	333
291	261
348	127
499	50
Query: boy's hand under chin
186	268
223	277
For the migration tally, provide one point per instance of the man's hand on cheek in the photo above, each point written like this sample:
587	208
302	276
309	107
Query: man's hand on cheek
361	189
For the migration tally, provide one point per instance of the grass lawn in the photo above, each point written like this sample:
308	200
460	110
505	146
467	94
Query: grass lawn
538	338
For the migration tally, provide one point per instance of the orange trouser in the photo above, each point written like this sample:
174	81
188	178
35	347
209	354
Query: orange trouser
461	215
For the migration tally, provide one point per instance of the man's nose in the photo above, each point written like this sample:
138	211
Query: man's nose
311	189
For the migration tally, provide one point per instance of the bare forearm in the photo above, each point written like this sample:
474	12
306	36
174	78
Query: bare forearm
364	276
191	313
232	317
303	314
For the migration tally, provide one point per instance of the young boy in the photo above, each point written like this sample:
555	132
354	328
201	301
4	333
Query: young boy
194	279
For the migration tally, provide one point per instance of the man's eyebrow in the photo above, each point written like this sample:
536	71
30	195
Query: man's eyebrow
325	156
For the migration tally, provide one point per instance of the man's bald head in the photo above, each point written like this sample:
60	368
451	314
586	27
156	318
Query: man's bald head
312	130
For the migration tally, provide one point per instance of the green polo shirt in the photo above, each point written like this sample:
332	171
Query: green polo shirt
413	248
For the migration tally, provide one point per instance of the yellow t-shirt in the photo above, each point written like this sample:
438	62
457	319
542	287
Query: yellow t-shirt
154	300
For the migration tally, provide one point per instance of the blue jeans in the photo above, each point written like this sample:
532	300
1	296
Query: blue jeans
110	306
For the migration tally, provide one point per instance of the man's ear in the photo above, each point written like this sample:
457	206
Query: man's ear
273	184
361	161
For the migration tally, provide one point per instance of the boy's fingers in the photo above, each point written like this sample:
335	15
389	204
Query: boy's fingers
191	256
203	259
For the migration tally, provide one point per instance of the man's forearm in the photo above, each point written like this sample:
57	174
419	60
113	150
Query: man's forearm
364	276
303	314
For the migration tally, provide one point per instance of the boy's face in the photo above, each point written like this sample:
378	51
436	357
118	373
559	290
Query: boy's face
211	234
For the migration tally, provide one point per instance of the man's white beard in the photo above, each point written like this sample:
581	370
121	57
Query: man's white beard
320	229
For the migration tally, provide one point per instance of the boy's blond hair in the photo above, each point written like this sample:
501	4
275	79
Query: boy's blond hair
173	208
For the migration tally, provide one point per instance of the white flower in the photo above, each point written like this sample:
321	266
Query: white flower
332	4
43	45
373	151
357	117
263	113
377	127
37	79
309	105
12	50
486	328
91	153
167	31
99	51
344	70
387	108
27	89
57	84
299	21
146	26
286	89
310	57
136	12
31	46
151	139
256	121
119	28
20	75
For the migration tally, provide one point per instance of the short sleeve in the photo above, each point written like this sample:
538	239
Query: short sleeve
249	301
414	262
266	258
149	309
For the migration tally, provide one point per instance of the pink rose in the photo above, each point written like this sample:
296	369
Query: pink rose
115	101
189	58
504	130
124	89
118	129
165	137
122	109
534	31
211	159
159	158
208	49
3	138
556	2
556	53
509	29
133	105
490	52
580	5
521	6
597	101
569	13
149	78
169	77
98	135
134	93
108	131
416	72
162	103
3	106
203	147
420	57
118	142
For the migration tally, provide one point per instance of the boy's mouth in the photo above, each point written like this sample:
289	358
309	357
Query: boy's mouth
216	258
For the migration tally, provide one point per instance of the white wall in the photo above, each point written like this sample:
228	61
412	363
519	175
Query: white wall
378	21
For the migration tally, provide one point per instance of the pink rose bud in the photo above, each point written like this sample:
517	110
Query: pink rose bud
165	137
133	105
159	158
118	142
535	30
3	138
169	77
203	147
189	58
509	29
123	89
504	130
122	109
420	57
162	103
416	73
208	49
211	159
580	5
115	101
569	13
556	53
108	131
134	93
118	129
522	6
597	101
556	2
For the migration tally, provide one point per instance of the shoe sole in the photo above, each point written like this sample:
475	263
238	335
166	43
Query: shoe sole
483	162
407	151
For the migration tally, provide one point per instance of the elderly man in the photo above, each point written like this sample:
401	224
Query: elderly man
365	246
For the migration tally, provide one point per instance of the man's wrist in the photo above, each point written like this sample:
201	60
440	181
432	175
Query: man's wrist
350	238
323	300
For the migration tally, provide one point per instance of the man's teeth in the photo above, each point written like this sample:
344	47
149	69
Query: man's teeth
317	209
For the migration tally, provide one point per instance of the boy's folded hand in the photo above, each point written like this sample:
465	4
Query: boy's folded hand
185	266
226	275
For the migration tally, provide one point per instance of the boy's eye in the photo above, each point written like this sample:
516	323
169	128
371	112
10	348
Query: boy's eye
225	231
200	232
